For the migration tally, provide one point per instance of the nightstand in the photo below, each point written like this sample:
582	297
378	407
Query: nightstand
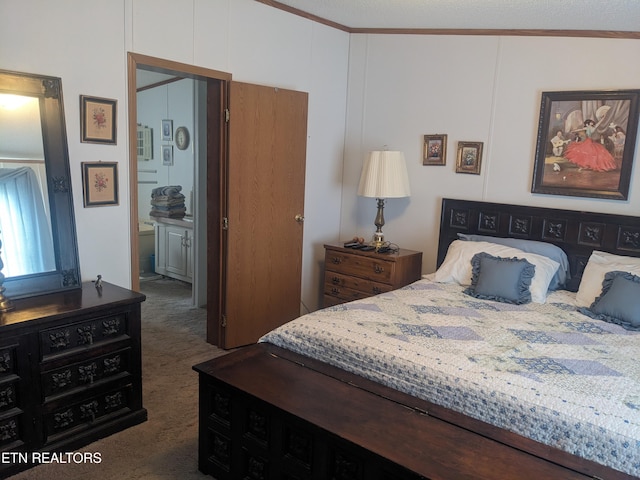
351	274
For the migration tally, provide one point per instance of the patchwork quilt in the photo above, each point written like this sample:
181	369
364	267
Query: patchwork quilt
544	371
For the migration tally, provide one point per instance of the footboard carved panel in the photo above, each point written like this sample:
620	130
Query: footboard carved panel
252	439
265	413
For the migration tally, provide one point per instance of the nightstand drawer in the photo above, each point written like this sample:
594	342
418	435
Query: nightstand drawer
344	294
334	282
360	266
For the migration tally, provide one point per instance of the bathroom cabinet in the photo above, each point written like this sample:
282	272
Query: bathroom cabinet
174	248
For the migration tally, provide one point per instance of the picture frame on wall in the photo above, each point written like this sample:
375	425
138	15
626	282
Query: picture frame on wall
167	155
585	144
469	157
435	150
167	130
100	183
98	120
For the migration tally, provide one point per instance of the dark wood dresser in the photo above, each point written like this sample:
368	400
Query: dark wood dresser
353	274
70	371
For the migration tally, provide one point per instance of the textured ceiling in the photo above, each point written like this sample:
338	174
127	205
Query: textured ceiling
610	15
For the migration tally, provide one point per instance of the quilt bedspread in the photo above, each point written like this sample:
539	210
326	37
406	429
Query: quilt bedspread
544	371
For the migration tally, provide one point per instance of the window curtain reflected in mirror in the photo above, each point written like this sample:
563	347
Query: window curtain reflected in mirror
27	243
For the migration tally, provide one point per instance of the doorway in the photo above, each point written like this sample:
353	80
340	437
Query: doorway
183	240
171	160
254	199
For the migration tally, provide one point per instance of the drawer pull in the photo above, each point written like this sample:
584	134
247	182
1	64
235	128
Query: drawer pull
376	290
89	411
335	281
9	431
85	335
335	291
86	373
378	268
337	260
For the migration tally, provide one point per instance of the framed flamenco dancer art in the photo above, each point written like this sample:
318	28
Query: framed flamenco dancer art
586	143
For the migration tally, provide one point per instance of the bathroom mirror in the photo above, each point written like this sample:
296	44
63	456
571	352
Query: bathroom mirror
37	226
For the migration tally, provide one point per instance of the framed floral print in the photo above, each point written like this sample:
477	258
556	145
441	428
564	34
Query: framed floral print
98	120
469	157
435	150
100	183
586	142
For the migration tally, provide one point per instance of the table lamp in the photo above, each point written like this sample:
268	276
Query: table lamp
384	175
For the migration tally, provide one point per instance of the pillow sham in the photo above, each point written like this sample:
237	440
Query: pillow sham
619	302
598	265
502	279
555	253
456	267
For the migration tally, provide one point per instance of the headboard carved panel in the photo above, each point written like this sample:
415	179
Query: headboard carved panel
577	233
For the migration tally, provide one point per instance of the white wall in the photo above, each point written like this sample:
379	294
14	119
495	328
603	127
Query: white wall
85	42
386	89
473	88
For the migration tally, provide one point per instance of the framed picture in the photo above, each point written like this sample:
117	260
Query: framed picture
585	145
100	183
435	150
167	155
98	120
469	157
167	130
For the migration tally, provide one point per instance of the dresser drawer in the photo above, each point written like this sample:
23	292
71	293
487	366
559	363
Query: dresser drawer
86	373
345	294
334	282
84	414
362	266
69	338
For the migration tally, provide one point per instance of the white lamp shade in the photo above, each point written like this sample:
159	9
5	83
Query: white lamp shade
384	175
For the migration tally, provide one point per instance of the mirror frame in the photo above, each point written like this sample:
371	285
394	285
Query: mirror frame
66	276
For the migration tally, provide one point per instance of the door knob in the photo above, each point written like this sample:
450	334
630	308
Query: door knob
299	218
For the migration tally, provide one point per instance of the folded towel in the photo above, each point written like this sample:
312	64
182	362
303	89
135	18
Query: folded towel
168	203
168	214
168	208
170	191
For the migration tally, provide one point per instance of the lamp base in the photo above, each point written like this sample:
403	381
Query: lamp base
378	236
377	240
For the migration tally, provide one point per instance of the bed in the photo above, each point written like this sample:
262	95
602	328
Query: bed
451	376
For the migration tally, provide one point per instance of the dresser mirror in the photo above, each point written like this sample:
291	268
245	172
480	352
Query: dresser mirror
39	249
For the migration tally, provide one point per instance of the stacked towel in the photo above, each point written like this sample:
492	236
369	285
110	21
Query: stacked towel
167	202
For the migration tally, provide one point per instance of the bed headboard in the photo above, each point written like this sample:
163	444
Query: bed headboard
577	233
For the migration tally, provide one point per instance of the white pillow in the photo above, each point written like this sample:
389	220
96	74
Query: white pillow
597	267
456	267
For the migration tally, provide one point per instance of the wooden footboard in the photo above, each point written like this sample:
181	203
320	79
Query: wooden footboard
266	413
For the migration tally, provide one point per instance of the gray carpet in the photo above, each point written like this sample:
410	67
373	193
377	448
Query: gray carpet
165	446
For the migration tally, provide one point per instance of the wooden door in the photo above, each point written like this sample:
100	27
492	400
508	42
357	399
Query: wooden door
262	248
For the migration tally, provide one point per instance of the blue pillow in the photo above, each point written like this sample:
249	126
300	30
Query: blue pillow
549	250
502	279
619	301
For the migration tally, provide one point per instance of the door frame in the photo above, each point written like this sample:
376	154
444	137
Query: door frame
217	82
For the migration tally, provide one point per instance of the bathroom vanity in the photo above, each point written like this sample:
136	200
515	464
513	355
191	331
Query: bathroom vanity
174	248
